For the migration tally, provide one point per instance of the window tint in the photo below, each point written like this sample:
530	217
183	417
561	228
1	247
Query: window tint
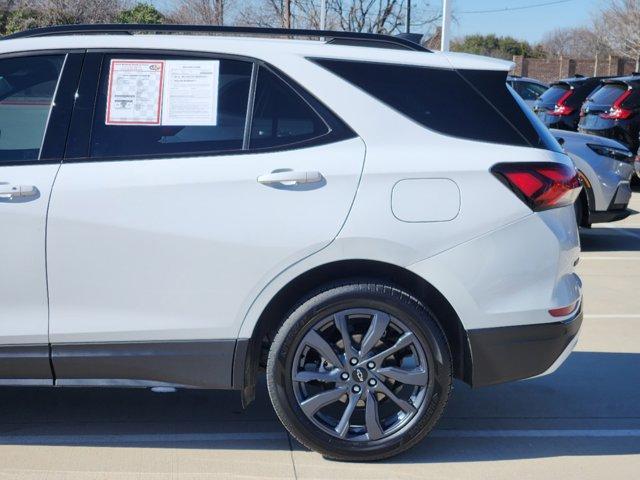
607	94
554	93
471	104
281	116
170	137
528	90
27	87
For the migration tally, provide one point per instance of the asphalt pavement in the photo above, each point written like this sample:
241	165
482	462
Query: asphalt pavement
583	422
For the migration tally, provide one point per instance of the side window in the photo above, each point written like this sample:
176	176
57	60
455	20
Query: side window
281	116
27	87
471	104
159	105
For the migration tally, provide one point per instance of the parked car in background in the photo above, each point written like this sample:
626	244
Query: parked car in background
613	110
529	89
559	106
605	168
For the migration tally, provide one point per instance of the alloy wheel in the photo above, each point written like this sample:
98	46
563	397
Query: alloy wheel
360	375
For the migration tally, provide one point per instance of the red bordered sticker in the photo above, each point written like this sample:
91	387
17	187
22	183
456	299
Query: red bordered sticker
134	96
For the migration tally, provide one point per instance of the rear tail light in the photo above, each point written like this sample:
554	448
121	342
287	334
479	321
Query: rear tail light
560	108
541	185
616	112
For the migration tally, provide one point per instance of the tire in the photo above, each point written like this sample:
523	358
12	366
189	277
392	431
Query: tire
582	211
402	394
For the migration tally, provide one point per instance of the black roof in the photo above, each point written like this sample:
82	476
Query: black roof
633	79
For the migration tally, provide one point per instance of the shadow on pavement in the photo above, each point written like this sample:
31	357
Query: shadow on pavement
592	390
604	239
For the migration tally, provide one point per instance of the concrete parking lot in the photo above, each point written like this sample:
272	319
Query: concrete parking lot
582	422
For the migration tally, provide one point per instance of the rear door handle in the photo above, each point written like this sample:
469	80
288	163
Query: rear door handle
17	191
290	177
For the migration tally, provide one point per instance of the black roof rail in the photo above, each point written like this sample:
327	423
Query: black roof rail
352	38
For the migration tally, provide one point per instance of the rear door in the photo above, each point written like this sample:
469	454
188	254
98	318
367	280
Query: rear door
36	97
161	234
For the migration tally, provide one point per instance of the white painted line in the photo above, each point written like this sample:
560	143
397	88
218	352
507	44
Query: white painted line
610	258
229	437
601	433
113	439
613	315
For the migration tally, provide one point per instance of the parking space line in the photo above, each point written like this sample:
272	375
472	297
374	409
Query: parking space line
540	433
609	258
75	440
613	315
115	439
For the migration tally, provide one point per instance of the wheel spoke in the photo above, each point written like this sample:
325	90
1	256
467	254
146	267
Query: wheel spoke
379	324
404	341
372	421
416	376
311	405
342	429
315	341
340	319
326	377
360	374
404	405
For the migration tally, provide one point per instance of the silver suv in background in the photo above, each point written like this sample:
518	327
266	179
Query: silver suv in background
605	167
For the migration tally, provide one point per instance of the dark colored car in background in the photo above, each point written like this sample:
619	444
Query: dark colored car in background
613	111
529	89
559	107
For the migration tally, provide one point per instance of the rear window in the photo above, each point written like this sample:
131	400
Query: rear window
472	104
553	94
607	94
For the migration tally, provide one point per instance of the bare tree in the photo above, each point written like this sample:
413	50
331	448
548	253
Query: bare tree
574	43
55	12
373	16
281	13
202	12
618	23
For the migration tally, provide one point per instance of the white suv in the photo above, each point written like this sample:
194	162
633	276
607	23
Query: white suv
365	219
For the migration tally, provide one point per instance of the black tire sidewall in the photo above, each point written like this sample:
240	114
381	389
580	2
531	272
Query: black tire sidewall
358	295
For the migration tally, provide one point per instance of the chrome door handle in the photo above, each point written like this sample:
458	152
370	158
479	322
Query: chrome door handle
17	191
290	177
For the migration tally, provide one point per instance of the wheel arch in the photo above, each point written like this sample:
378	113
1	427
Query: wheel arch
251	354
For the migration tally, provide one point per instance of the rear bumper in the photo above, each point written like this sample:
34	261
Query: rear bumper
504	354
617	209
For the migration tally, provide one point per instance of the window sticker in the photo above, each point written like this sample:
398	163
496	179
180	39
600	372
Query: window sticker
191	93
135	92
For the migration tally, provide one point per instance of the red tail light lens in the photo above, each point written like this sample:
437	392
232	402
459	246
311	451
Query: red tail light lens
617	112
560	108
564	311
540	185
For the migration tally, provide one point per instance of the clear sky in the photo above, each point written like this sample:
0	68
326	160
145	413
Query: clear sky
523	23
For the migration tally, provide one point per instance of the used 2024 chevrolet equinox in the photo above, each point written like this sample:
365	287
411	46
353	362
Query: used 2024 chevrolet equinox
363	218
